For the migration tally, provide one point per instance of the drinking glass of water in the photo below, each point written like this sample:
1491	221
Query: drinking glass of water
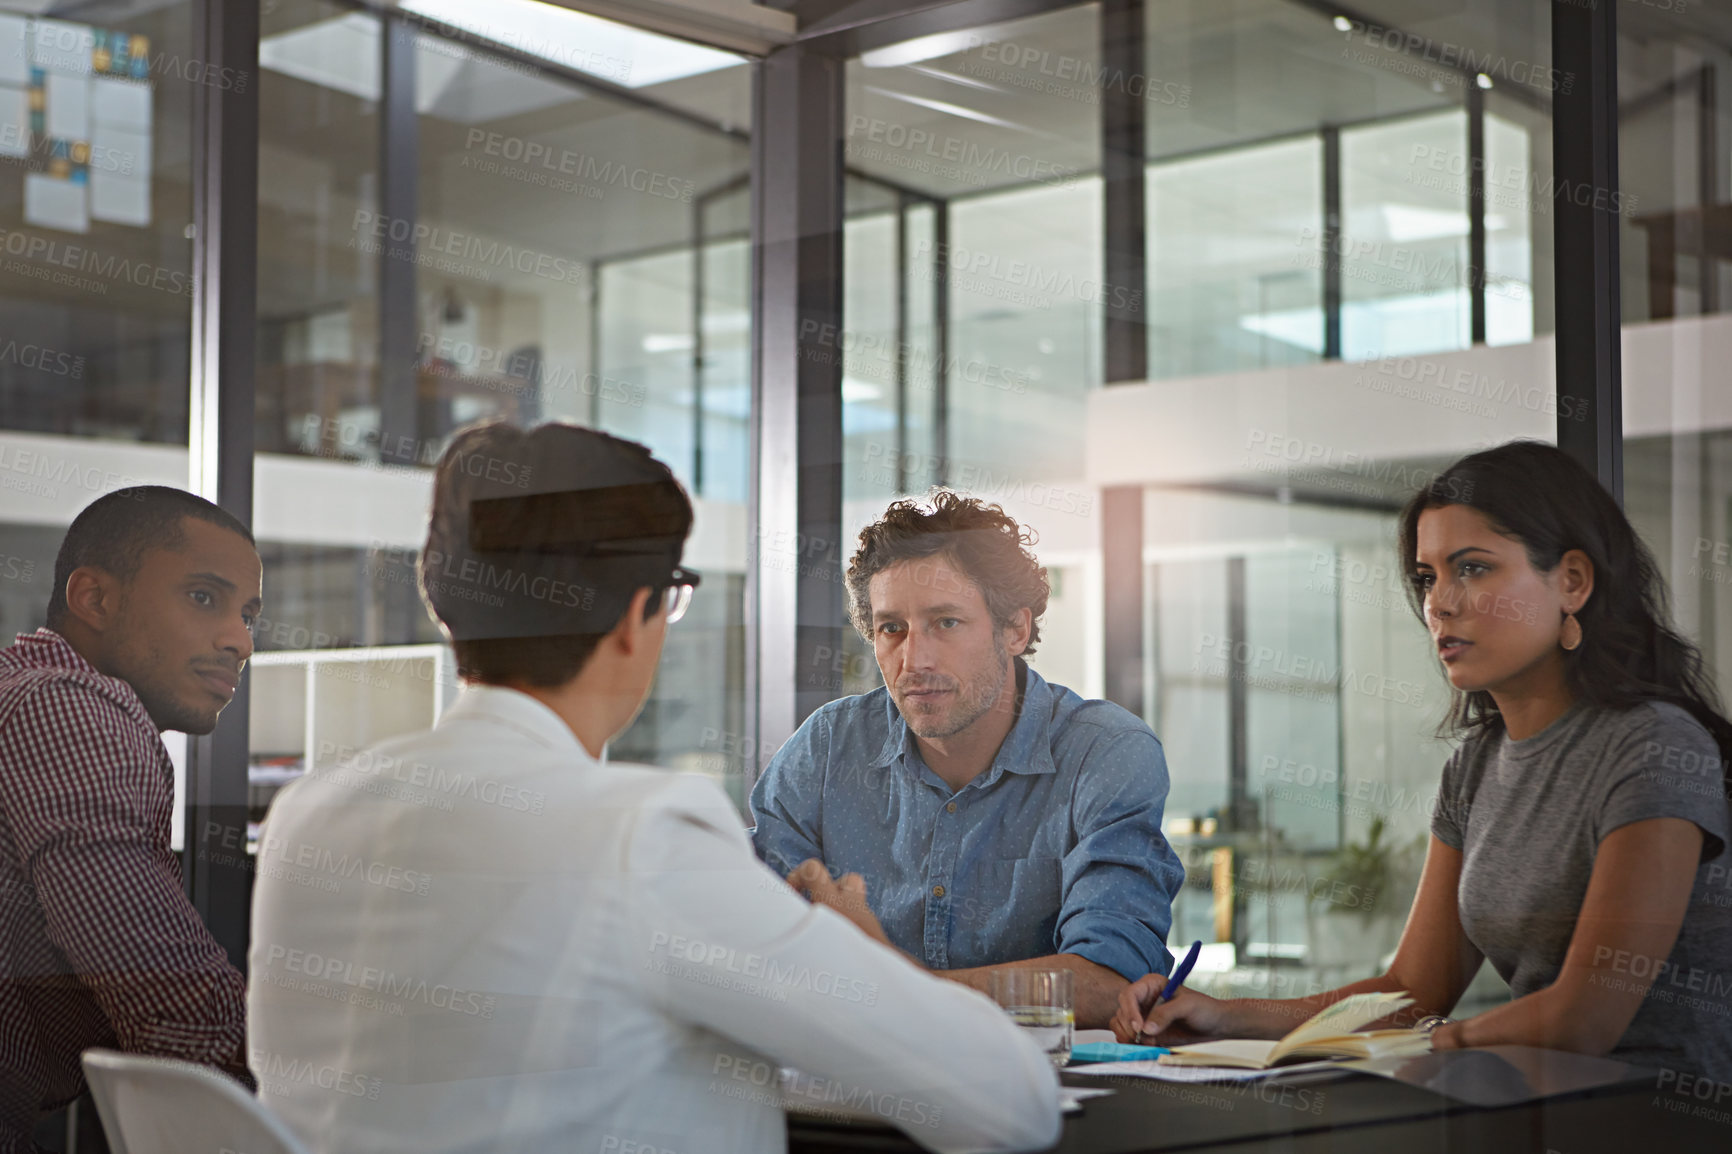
1041	1002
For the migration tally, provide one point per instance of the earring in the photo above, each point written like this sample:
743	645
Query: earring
1571	635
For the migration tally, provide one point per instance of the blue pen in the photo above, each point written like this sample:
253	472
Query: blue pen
1184	971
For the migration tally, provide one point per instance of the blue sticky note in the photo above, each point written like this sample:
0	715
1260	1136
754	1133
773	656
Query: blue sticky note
1113	1052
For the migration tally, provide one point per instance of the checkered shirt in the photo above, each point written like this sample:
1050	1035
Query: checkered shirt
98	944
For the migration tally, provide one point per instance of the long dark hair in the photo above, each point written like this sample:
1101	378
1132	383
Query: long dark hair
1540	496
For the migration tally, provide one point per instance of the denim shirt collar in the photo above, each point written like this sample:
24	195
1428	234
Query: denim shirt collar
1027	748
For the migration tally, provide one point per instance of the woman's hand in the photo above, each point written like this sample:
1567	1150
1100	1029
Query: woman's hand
1188	1016
1448	1037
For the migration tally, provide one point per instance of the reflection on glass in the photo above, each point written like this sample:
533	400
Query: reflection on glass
1405	272
1231	287
1673	203
96	277
318	352
551	237
1325	331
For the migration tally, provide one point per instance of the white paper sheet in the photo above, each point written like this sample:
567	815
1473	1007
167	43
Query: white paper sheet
119	150
120	103
55	203
14	51
1071	1098
62	46
1162	1073
14	122
119	199
68	111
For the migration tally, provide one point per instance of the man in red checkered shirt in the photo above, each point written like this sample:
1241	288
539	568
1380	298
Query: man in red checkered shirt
149	626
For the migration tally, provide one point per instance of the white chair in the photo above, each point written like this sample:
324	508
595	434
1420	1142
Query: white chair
161	1106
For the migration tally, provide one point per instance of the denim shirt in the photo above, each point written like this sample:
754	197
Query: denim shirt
1056	848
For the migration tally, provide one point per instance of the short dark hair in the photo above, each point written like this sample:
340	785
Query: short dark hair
980	539
117	530
537	541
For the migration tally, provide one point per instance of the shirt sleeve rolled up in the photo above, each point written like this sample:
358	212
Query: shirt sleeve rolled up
1121	876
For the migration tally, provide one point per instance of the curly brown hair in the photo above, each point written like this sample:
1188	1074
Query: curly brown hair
979	539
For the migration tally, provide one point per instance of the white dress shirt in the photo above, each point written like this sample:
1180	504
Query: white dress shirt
478	938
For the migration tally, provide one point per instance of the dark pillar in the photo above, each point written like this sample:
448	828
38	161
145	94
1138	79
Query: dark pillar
1476	210
400	428
795	510
1331	243
1585	159
1124	166
220	432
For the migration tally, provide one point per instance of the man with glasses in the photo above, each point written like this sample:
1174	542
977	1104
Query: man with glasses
488	937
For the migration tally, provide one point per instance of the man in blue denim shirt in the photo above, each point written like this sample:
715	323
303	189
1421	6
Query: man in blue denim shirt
992	818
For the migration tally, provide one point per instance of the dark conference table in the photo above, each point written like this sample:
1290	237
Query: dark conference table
1349	1113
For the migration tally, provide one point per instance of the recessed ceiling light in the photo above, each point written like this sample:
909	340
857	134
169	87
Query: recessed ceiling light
858	392
1403	223
1483	80
1343	24
953	78
612	51
946	107
342	54
922	48
667	343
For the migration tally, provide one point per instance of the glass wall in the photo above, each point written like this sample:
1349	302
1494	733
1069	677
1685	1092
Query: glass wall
1349	284
1225	289
1335	310
1673	207
95	201
1015	258
561	253
95	269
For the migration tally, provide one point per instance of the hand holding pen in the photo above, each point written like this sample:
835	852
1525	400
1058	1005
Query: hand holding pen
1152	1004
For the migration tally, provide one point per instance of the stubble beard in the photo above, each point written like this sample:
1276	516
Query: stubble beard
145	669
970	708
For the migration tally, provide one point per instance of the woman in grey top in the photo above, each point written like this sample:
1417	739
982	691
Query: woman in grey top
1580	836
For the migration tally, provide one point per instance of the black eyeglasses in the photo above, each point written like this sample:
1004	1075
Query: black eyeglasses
678	597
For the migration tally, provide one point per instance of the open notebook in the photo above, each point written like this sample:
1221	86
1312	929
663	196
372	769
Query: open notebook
1328	1034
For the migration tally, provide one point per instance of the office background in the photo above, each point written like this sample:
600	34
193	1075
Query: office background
1197	291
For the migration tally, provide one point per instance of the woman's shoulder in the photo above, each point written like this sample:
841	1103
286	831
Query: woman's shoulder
1465	767
1656	726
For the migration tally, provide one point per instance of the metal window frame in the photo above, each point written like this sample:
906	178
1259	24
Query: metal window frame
794	601
221	401
399	204
1585	237
1125	337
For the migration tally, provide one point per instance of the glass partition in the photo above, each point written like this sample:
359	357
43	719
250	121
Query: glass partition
1337	306
1674	202
564	254
96	275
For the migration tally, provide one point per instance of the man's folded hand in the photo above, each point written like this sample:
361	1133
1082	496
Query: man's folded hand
846	895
